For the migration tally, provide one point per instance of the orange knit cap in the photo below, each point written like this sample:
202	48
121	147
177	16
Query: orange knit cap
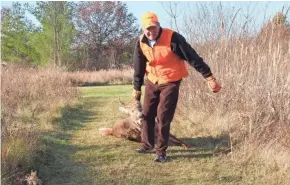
149	19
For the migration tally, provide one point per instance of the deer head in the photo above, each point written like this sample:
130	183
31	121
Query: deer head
134	110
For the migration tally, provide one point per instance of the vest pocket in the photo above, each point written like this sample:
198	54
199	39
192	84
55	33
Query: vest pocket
149	55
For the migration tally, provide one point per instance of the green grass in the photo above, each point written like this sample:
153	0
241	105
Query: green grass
81	155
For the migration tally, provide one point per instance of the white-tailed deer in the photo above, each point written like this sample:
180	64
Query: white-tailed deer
130	128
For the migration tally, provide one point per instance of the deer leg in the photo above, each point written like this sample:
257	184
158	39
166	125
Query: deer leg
106	131
175	140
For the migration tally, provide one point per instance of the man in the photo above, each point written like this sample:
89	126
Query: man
160	54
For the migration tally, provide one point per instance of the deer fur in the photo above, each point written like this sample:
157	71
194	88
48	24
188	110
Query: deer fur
130	128
32	179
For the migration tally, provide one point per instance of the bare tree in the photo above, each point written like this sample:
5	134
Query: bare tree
104	28
171	9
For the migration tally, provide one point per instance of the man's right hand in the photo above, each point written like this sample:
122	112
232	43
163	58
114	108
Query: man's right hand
137	95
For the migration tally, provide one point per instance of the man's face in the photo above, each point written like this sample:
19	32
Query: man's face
151	32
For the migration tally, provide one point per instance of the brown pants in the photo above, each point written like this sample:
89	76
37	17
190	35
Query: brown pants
159	101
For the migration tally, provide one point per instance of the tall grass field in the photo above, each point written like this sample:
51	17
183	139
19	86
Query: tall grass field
60	138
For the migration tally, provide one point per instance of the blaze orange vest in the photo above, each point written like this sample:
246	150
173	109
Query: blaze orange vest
163	65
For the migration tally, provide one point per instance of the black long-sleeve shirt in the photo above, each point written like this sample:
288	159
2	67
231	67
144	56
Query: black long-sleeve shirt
179	46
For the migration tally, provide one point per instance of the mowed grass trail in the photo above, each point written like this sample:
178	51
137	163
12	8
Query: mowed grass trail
82	156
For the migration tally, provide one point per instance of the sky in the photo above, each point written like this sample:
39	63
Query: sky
261	9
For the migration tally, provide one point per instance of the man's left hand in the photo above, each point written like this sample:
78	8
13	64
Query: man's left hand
136	94
213	84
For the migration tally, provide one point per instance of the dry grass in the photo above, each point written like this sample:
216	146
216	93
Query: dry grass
29	100
253	106
102	77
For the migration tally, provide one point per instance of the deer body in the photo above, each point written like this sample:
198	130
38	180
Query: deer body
124	128
130	128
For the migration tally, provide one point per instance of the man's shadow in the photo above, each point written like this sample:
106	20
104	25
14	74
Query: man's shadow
203	147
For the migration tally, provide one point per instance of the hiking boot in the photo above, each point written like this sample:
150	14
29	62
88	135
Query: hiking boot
144	151
160	158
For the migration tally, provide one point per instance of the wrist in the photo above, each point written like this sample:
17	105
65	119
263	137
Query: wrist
210	78
137	92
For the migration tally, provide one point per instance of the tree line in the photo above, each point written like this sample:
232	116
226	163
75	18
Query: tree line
72	35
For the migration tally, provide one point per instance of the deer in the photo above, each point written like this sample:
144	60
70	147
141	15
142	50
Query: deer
130	127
